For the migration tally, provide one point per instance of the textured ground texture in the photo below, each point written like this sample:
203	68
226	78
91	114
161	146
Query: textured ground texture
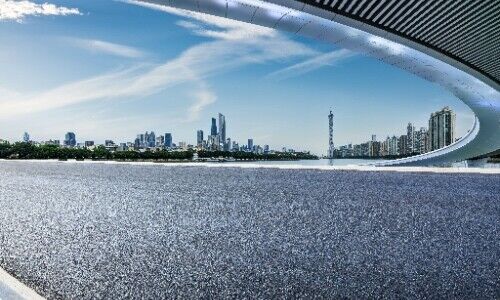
84	231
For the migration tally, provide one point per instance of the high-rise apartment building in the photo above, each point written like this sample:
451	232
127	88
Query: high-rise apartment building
410	139
393	145
421	141
442	128
403	145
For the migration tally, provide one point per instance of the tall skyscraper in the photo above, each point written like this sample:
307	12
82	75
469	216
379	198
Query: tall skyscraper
331	147
199	138
70	139
250	144
410	139
442	128
374	138
393	145
168	140
222	128
213	129
403	145
422	141
140	141
150	139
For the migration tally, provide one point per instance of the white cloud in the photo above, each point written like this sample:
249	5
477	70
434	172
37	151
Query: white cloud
188	25
17	10
203	98
231	48
326	59
6	93
108	48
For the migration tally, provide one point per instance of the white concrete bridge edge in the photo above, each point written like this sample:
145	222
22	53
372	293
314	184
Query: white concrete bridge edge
13	289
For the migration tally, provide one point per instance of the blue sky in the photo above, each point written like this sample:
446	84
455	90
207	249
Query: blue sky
110	69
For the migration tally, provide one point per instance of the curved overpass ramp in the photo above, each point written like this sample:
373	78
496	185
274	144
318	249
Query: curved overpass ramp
451	43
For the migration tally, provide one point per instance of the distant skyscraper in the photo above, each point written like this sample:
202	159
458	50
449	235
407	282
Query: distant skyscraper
410	139
168	140
70	139
213	142
222	128
442	128
199	138
331	147
422	141
213	129
140	141
26	137
393	145
89	143
160	140
250	144
150	139
403	145
374	138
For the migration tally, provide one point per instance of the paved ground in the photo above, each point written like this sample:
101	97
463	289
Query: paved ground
80	231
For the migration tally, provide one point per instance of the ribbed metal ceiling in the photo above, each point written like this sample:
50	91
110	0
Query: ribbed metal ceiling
465	30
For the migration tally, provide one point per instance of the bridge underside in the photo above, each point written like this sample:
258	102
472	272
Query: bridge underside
467	71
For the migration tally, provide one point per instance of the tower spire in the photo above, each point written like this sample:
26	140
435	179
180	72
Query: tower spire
330	135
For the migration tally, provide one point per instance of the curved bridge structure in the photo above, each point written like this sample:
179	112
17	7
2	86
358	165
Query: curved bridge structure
452	43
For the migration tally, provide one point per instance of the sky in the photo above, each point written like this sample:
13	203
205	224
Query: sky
112	69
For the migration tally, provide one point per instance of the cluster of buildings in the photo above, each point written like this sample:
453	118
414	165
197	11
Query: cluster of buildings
217	140
440	133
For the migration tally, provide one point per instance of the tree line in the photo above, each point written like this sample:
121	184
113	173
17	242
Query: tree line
22	150
241	155
30	151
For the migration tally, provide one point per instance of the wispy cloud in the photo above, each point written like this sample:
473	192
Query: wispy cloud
17	10
203	97
234	44
311	64
107	48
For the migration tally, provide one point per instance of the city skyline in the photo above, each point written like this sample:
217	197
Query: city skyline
216	141
105	88
441	132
